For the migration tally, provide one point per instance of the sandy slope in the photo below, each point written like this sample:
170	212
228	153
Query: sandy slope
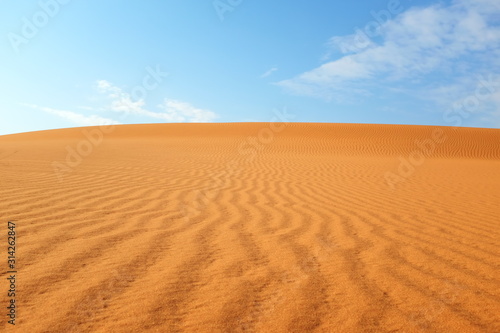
254	228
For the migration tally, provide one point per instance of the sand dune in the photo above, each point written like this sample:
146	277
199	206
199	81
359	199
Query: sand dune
254	227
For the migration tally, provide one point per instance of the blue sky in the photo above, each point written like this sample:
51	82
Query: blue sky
68	63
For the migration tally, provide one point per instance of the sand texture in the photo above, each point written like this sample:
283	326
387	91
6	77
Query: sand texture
253	227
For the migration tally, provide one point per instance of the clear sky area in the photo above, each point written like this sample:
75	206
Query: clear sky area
68	63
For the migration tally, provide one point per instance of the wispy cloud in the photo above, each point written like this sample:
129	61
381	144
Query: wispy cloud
122	101
181	111
453	41
172	110
269	72
76	118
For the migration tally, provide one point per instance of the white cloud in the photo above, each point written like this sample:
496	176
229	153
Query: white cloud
348	44
269	72
416	43
493	116
76	118
173	110
182	112
121	101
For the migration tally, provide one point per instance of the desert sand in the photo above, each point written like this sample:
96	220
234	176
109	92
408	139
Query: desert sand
253	227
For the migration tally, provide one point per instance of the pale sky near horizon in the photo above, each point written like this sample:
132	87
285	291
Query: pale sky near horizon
68	63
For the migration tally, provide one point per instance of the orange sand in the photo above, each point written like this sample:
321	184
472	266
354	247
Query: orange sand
254	227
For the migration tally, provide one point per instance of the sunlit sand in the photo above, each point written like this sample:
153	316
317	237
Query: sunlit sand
254	227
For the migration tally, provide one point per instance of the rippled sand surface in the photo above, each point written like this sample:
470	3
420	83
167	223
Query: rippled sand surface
253	227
